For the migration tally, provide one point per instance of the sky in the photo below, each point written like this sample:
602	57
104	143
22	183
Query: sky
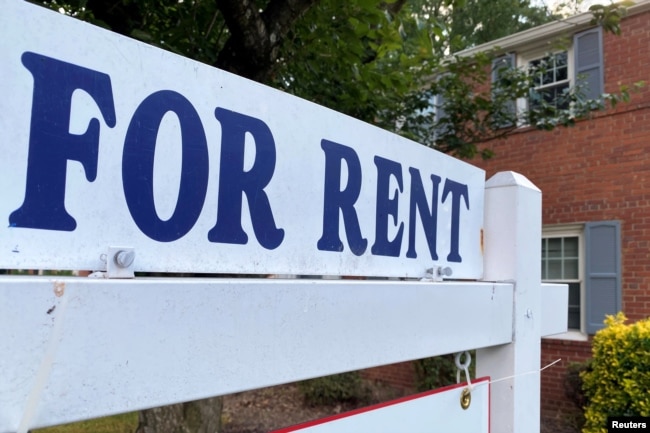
552	4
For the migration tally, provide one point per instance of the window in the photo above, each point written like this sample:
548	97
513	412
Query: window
561	264
438	106
505	115
587	257
580	64
551	78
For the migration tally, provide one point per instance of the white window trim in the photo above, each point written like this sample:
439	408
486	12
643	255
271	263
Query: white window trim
570	335
572	230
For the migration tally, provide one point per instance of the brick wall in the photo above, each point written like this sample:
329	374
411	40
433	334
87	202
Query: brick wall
401	375
596	170
555	403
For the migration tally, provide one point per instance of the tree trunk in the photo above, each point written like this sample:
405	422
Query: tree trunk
201	416
255	36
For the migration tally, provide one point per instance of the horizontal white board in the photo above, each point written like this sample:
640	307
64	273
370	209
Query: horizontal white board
108	142
437	411
79	348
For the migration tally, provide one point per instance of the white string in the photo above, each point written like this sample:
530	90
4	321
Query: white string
470	386
527	372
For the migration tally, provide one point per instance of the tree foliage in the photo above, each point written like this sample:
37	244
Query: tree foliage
357	58
373	60
609	16
479	21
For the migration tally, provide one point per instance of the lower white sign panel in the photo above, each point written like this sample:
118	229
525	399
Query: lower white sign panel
430	412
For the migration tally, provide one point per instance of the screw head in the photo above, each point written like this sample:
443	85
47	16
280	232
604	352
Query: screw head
124	259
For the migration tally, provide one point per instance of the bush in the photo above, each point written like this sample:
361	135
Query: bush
619	380
439	371
335	389
573	383
574	391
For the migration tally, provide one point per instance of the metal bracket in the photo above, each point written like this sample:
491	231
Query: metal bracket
119	262
437	273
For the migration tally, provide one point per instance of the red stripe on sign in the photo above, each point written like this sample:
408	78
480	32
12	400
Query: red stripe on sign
482	380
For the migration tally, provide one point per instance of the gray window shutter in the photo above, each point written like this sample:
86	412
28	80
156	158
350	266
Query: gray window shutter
499	66
589	70
602	272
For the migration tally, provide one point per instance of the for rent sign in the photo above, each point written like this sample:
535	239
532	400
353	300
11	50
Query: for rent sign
110	142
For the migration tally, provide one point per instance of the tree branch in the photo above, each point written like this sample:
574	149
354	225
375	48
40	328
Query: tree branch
394	8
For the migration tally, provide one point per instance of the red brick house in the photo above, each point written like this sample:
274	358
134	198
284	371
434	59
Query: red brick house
595	182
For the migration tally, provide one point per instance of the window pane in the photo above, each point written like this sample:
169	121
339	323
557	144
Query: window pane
558	98
574	306
574	294
548	77
571	247
549	94
574	319
561	74
561	258
554	248
554	270
571	269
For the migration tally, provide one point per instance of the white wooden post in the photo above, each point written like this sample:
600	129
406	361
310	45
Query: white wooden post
513	209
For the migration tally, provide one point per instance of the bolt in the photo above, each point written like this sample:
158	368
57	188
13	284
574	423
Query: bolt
124	259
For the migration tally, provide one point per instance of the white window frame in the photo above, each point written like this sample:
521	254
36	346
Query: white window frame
572	230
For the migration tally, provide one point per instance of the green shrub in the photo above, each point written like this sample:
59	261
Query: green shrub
439	371
574	390
573	383
619	379
335	389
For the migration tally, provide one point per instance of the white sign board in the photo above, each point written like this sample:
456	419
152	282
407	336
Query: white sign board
108	142
437	411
